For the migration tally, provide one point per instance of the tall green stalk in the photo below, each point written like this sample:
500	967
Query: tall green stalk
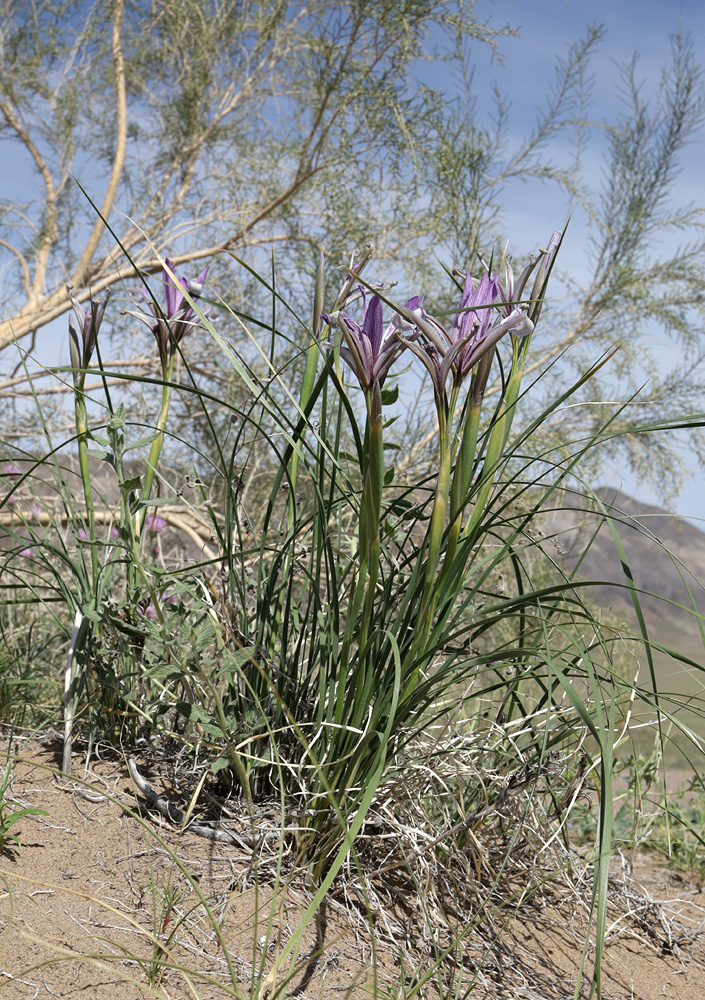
498	438
312	358
307	387
83	463
82	342
367	569
465	462
156	445
436	527
372	502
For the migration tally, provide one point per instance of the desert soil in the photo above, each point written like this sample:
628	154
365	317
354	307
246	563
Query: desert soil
105	900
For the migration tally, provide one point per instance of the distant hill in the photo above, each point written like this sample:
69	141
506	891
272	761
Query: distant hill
665	555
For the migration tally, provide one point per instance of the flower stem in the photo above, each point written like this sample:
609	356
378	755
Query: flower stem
368	544
156	446
499	435
429	597
464	463
83	463
372	498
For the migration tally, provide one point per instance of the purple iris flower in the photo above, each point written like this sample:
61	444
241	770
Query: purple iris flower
370	350
177	318
479	326
89	320
475	331
473	325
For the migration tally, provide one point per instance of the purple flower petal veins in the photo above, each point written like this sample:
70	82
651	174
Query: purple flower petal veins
478	324
174	294
370	349
485	314
480	294
177	317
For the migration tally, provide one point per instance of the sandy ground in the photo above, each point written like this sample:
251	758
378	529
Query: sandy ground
99	904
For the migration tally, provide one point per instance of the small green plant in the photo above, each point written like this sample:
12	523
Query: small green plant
12	813
166	923
678	831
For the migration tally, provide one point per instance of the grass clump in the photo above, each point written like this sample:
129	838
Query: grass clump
392	666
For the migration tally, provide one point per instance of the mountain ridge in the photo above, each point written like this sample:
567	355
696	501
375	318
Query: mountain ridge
664	554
